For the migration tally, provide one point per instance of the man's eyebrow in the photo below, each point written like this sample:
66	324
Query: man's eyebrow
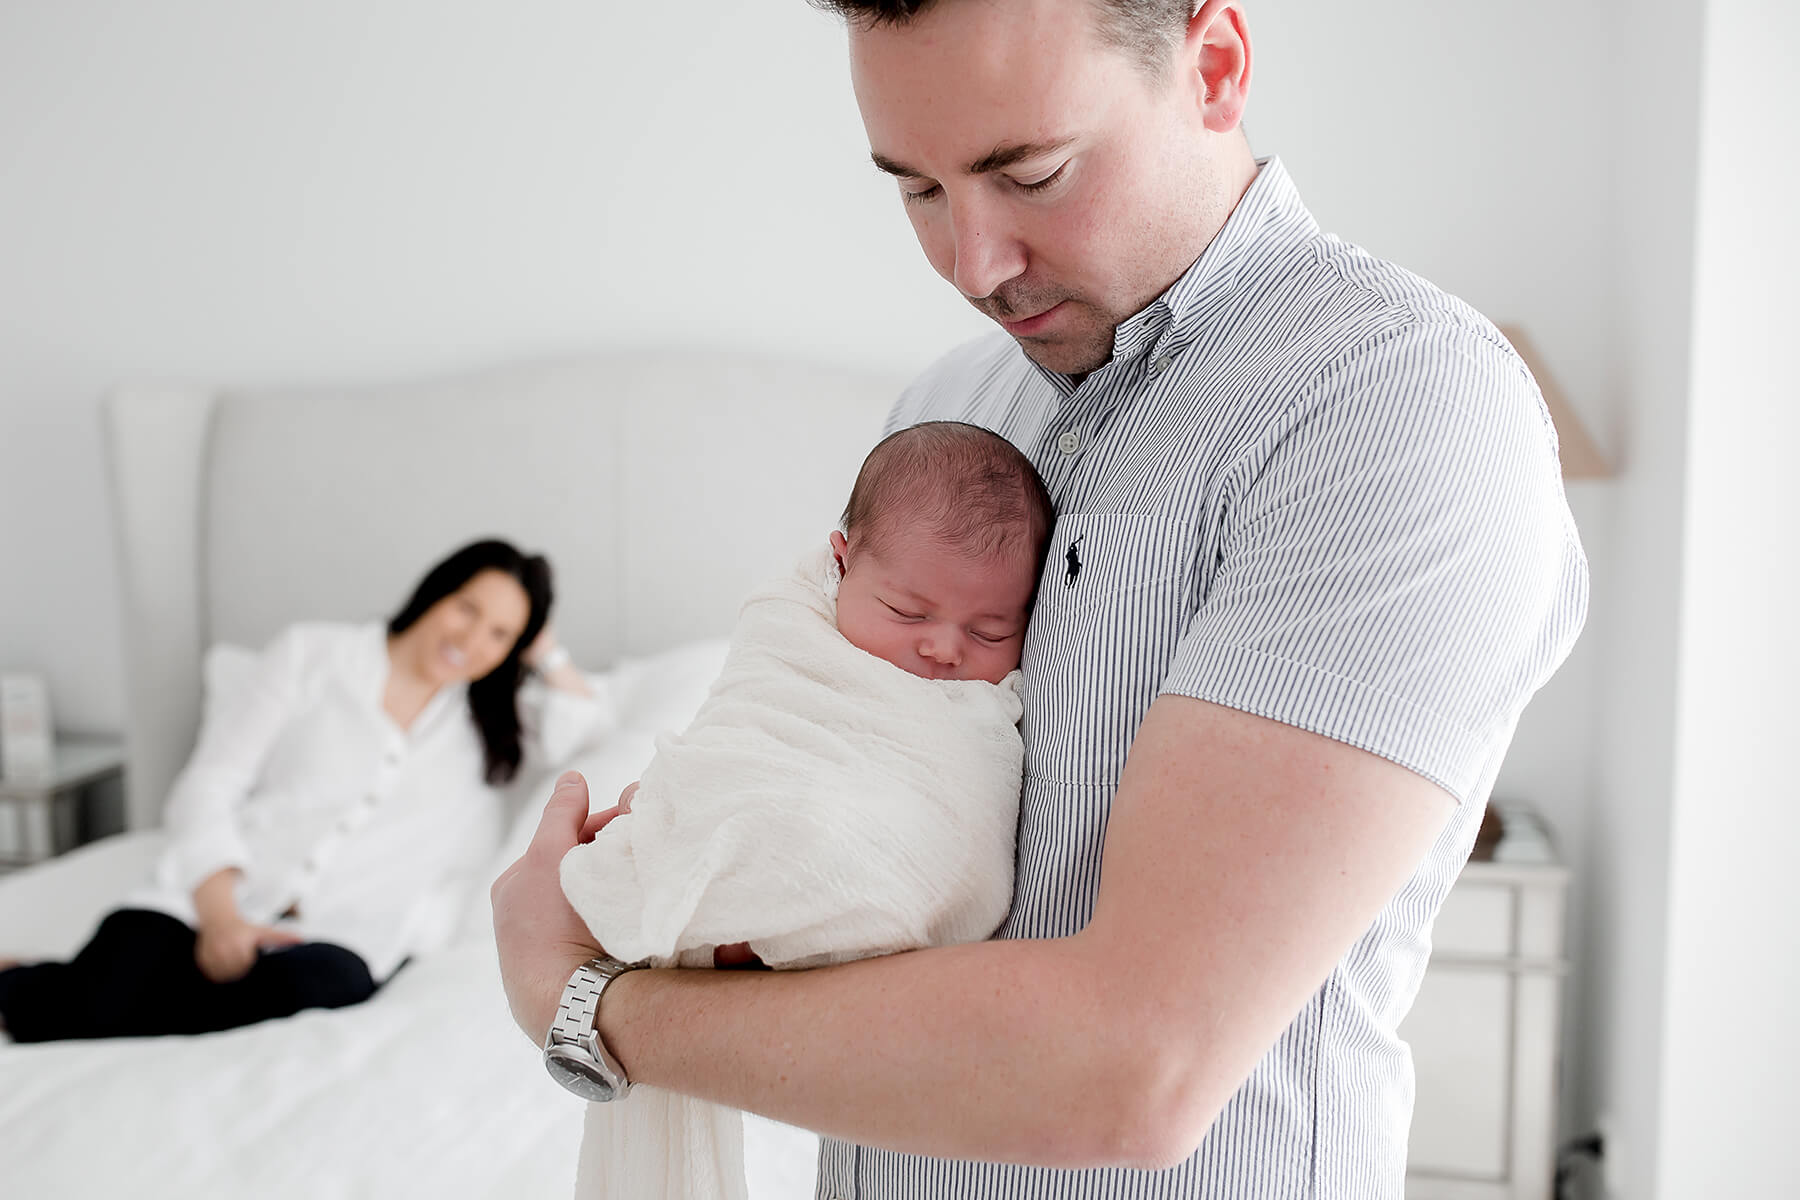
1002	157
894	168
997	159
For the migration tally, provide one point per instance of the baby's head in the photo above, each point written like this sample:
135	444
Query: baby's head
943	540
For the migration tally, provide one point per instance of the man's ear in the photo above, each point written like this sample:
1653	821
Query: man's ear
1217	51
840	549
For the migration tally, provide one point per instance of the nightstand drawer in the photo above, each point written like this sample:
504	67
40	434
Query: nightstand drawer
1477	919
1484	1033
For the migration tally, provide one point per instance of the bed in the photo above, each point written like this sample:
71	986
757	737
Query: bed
662	483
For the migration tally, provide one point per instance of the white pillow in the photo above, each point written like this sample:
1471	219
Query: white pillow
227	674
659	693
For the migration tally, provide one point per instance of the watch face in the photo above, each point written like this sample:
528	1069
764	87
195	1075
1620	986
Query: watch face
575	1071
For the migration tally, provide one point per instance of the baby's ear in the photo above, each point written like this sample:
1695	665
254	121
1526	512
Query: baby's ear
839	548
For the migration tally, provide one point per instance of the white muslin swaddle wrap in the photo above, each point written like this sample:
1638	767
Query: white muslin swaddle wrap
824	805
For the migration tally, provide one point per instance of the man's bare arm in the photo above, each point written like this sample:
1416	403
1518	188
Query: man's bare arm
1242	859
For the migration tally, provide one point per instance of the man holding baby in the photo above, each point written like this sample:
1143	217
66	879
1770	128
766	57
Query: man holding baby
1311	558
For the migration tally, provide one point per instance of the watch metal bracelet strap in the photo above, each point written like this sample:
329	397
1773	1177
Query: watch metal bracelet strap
580	1002
573	1052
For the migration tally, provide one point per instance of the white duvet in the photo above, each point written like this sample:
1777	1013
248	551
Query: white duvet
427	1090
824	805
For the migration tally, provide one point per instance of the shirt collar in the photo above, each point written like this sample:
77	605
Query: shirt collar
378	666
1270	213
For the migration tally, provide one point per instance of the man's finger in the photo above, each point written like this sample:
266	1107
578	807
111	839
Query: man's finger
560	826
737	954
596	822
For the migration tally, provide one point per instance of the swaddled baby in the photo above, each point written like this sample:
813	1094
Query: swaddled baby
850	786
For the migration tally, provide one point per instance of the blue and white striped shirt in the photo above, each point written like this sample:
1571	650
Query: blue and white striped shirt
1311	486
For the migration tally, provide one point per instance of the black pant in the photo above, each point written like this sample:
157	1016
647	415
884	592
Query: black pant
138	977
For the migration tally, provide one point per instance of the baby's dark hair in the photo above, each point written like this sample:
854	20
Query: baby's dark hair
968	487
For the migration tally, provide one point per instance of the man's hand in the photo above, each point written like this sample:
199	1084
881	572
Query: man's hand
226	949
600	820
540	939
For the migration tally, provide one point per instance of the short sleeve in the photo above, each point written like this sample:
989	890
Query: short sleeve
1397	569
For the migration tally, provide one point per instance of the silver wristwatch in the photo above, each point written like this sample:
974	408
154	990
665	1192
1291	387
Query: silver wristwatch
573	1052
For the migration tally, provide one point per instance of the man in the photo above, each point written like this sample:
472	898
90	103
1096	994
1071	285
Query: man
1311	560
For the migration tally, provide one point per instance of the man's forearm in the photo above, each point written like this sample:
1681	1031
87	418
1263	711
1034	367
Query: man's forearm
1022	1051
1242	860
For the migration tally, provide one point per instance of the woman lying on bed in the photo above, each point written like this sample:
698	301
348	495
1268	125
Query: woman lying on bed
326	823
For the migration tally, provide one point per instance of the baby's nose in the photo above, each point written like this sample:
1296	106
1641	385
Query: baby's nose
941	646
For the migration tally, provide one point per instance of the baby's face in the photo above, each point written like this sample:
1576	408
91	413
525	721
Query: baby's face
932	612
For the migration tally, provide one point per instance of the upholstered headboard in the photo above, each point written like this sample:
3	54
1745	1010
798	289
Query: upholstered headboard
662	484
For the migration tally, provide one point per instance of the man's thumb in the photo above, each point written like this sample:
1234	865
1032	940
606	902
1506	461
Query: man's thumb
560	826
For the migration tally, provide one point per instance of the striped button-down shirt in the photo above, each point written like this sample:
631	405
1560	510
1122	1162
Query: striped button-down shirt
1311	486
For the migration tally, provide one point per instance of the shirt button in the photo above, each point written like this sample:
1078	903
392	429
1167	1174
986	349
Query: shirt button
1161	364
1069	442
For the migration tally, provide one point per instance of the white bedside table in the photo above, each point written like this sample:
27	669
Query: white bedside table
79	799
1486	1028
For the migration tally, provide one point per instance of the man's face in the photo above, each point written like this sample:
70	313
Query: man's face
1057	185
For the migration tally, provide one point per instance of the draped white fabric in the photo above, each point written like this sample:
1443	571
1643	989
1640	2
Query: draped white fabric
823	806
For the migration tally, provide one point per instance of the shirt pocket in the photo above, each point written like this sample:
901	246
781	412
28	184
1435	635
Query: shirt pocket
1113	600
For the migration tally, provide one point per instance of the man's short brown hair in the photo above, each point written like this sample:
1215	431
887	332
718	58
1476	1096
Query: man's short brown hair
1147	30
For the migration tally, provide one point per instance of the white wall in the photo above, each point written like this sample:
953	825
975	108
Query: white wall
1730	1038
203	189
354	188
1634	621
1693	1048
1425	132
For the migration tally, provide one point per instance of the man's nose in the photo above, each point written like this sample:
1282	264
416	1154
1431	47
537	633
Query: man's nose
988	251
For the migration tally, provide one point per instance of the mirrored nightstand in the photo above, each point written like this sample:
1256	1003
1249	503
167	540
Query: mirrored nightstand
80	798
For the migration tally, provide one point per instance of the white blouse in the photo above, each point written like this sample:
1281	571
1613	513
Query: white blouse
346	828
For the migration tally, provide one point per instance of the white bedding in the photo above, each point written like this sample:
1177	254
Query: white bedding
427	1090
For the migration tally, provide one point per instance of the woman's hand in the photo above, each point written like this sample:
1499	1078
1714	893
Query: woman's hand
227	944
550	662
226	948
543	644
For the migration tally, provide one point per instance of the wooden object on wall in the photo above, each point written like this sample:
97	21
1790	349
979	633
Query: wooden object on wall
1581	458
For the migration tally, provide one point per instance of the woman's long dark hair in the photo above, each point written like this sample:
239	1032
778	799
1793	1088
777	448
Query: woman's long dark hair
494	698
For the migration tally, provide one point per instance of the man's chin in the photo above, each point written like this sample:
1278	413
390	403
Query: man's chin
1067	356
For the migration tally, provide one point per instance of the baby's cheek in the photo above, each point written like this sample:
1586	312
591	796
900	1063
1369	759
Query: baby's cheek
867	641
1001	663
857	636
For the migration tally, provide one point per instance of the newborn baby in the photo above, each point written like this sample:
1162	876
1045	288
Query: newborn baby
850	786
